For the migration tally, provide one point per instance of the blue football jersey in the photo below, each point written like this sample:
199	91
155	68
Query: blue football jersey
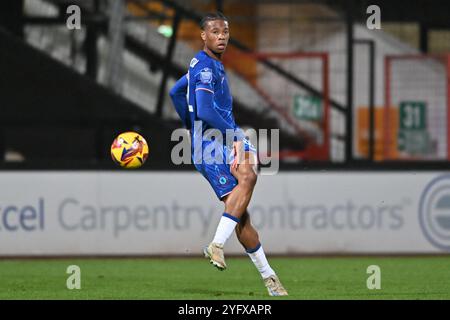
206	73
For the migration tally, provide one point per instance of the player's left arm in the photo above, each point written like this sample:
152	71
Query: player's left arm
204	92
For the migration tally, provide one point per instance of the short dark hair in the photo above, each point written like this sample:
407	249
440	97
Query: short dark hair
211	17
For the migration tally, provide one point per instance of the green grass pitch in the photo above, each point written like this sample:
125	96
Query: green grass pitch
195	278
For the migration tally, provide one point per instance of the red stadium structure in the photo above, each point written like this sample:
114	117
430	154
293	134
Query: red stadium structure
280	93
418	88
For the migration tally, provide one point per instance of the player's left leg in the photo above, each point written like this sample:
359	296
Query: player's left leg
249	238
238	200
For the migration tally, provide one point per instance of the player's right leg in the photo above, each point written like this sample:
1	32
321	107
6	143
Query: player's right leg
223	184
249	238
236	203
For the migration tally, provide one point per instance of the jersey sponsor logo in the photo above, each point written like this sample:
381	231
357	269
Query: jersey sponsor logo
206	76
193	62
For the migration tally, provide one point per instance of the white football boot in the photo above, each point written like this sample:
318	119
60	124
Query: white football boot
274	286
214	252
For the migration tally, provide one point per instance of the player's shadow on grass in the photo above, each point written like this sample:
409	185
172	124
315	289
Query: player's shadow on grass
220	293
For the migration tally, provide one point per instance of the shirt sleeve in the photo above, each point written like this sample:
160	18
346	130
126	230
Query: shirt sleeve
179	100
205	80
204	96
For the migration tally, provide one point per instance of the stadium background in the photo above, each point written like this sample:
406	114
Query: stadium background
364	147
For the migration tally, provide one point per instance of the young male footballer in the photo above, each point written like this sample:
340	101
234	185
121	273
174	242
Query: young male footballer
203	96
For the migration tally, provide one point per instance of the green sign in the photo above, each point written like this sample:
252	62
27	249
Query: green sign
414	142
413	115
307	107
413	137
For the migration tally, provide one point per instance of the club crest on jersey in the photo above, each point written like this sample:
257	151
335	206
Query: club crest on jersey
222	180
206	76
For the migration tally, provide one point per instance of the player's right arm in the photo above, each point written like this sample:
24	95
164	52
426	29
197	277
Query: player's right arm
178	96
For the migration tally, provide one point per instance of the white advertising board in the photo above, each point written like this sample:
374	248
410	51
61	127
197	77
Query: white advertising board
145	213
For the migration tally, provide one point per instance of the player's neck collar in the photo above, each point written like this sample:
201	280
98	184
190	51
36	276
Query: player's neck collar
214	58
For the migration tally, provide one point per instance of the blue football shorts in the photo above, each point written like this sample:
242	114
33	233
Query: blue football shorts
219	174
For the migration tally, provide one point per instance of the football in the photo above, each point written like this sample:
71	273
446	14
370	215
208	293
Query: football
129	150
